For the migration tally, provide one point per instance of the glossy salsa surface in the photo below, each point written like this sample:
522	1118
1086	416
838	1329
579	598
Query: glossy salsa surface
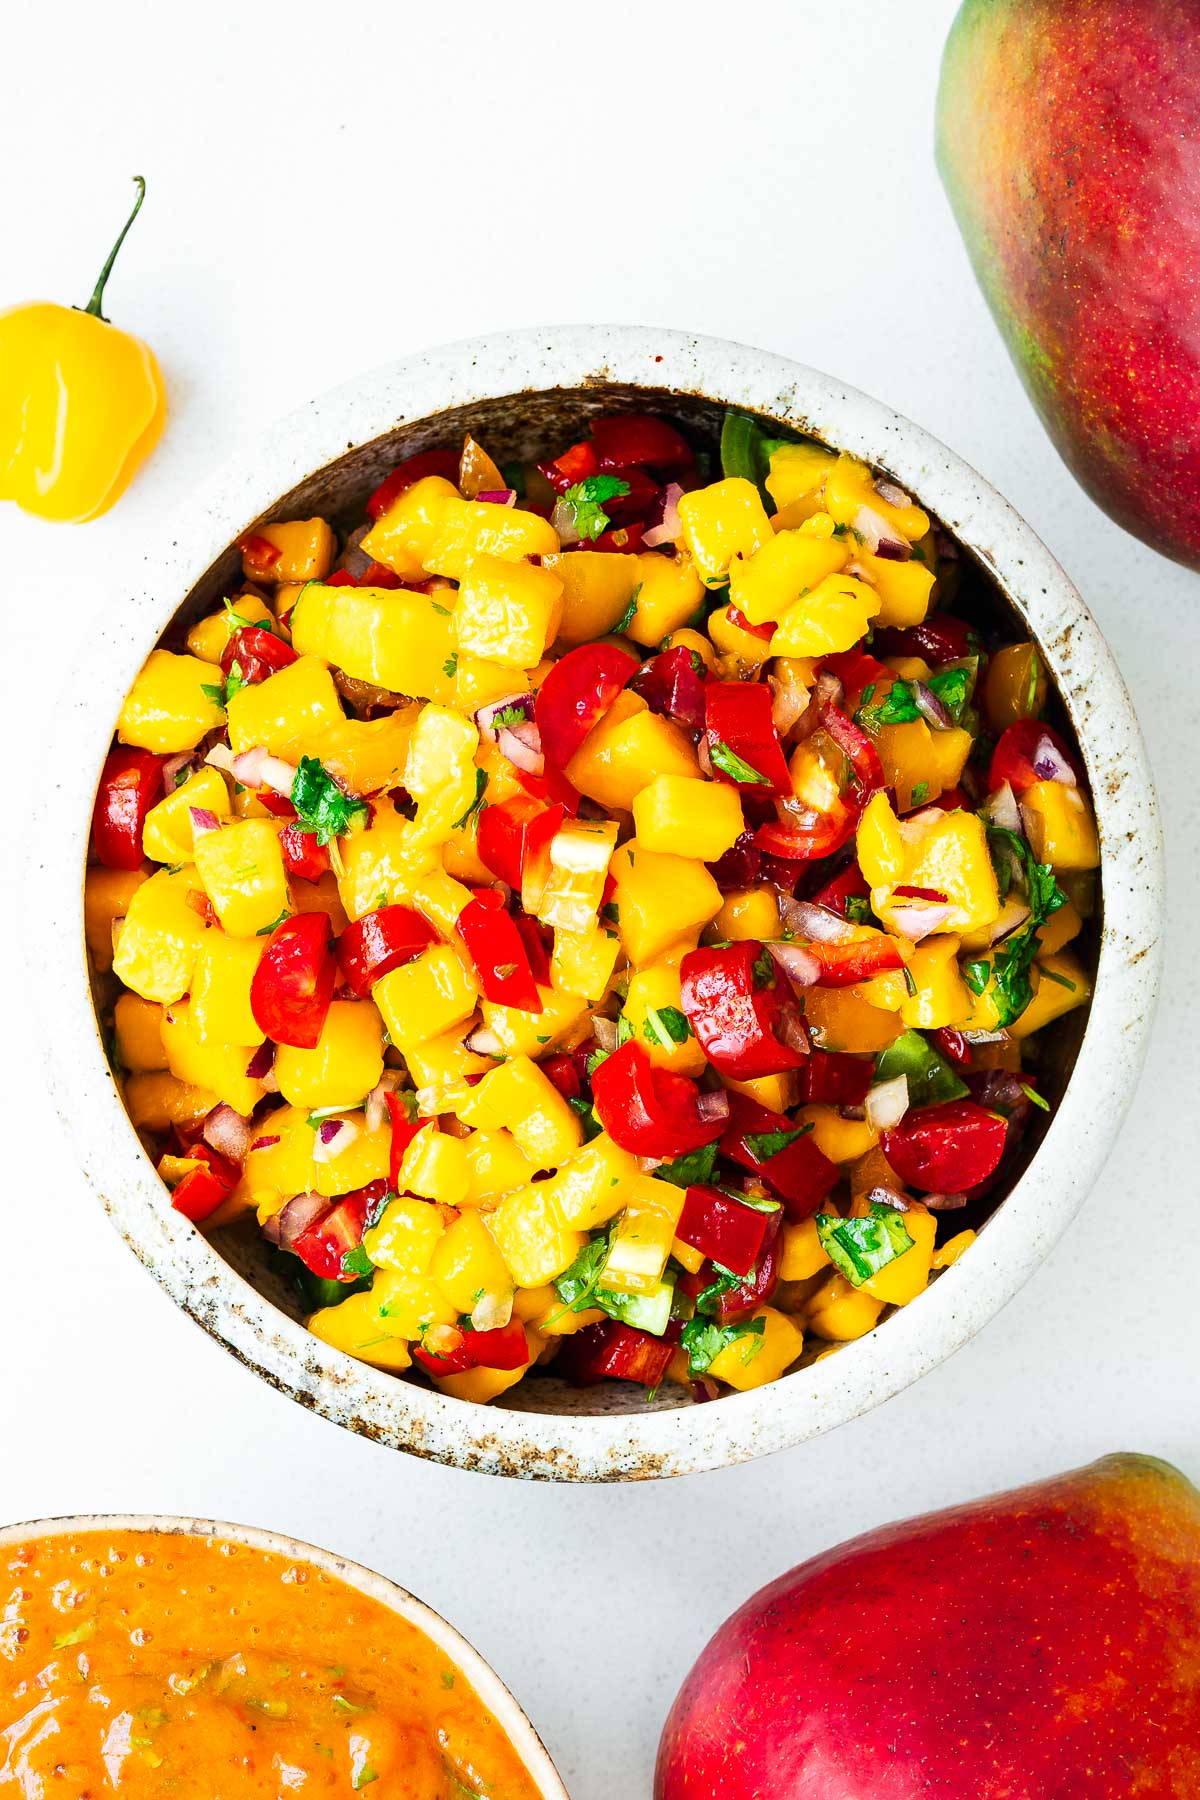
140	1663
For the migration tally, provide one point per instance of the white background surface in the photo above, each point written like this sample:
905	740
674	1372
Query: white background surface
328	190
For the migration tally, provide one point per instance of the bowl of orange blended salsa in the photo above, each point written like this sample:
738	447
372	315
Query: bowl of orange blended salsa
155	1656
597	916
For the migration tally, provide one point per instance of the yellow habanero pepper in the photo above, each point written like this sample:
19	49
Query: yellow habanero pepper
81	404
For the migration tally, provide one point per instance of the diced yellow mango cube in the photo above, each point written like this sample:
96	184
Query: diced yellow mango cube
366	755
137	1024
659	899
532	1236
467	1265
747	913
156	1101
221	981
583	961
161	937
353	1326
1060	984
279	1163
593	1183
305	547
407	1235
790	565
107	894
241	867
440	772
381	863
345	1063
440	1061
684	815
626	750
481	1385
841	1312
167	709
850	484
495	1165
168	834
942	997
220	1068
803	1254
1059	825
669	590
921	764
1015	685
521	1033
470	528
797	470
286	712
507	611
209	637
402	537
520	1096
947	852
832	616
743	652
841	1019
597	587
841	1140
393	638
653	1012
407	1305
752	1360
366	1158
1060	929
435	1166
426	997
904	588
778	1093
903	1279
724	520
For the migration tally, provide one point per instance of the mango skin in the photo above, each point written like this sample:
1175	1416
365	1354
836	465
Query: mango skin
1065	134
1040	1642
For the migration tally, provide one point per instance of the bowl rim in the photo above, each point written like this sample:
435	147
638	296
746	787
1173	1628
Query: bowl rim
833	1390
495	1695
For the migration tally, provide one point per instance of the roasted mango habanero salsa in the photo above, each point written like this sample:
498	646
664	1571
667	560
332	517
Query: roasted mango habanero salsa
601	917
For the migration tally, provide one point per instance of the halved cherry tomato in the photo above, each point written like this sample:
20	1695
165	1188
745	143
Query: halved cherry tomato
292	987
672	683
412	469
303	856
206	1187
734	1003
802	834
941	638
1027	752
649	1111
323	1248
857	670
257	653
625	440
625	509
378	575
781	1153
371	947
737	718
946	1149
503	1347
130	784
849	884
739	866
580	687
562	1072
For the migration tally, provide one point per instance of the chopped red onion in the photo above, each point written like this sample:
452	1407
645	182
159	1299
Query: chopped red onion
295	1218
228	1132
492	1312
704	1389
353	559
375	1111
484	1042
890	494
879	537
931	708
792	1030
894	550
663	524
944	1202
173	766
499	496
886	1196
1049	764
819	924
333	1136
203	820
1002	809
789	700
521	745
827	690
262	1062
1014	912
278	775
486	716
563	521
245	767
703	758
799	965
714	1105
887	1103
221	757
917	919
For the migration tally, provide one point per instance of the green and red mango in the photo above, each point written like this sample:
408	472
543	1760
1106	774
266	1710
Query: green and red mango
1067	138
1042	1644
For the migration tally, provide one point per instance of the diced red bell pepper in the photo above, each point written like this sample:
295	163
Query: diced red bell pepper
724	1229
802	834
758	1288
611	1351
849	884
276	804
844	964
259	554
303	856
411	470
498	953
946	1149
340	578
562	1072
378	575
371	947
857	670
618	540
552	787
574	465
579	689
624	441
538	940
734	1010
206	1187
650	1111
1029	751
514	833
737	716
954	1046
672	683
952	799
941	638
130	784
626	509
292	987
764	631
799	1173
503	1347
837	1078
324	1246
257	653
404	1130
867	770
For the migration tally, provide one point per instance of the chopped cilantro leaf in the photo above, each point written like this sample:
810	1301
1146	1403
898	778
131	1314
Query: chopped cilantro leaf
898	707
704	1340
953	689
586	500
1053	975
214	691
977	975
450	664
1032	1094
477	805
624	1031
511	715
363	1776
79	1635
859	1248
357	1262
627	617
438	608
266	930
322	806
858	909
763	969
611	912
665	1025
692	1170
762	1145
730	764
920	793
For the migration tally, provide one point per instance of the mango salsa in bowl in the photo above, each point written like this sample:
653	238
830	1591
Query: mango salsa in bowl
595	914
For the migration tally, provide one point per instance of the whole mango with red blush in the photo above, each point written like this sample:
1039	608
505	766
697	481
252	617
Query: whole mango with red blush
1042	1644
1066	134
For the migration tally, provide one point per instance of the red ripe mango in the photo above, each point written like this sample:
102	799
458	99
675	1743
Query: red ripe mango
1066	134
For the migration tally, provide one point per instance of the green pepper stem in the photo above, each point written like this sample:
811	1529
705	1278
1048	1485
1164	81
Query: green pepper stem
94	304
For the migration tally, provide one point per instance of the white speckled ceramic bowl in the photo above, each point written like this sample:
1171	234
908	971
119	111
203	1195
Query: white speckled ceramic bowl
522	390
510	1717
